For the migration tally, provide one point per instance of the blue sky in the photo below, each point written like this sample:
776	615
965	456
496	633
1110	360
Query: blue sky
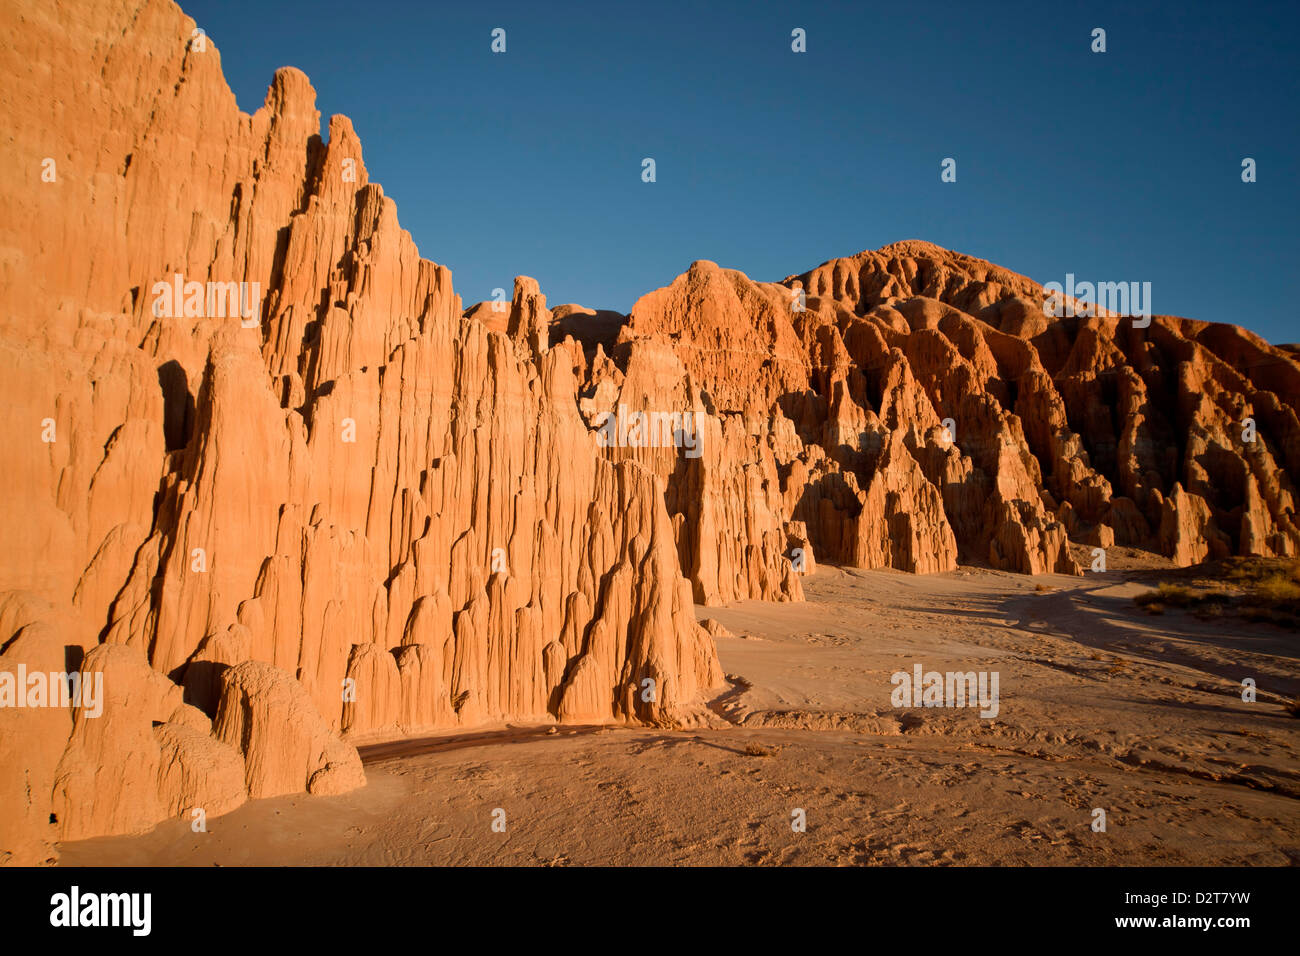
1122	166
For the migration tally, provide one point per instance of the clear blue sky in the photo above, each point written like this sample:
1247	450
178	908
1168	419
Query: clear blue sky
1122	166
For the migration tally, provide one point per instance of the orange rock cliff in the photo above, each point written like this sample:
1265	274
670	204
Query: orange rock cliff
365	511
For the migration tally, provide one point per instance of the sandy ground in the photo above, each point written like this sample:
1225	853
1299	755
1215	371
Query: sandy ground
1101	706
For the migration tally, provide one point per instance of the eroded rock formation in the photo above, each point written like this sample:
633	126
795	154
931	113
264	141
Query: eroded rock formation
271	482
914	408
343	510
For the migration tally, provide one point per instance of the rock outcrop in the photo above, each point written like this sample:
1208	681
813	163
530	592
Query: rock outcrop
271	483
914	408
277	488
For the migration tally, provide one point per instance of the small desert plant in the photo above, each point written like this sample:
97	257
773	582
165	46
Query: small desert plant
1278	587
1178	595
1252	589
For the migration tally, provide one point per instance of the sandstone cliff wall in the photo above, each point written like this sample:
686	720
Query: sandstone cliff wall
363	509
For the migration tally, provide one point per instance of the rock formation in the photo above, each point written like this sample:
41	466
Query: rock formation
914	407
271	483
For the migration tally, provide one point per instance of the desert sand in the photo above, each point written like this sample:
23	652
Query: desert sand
1101	706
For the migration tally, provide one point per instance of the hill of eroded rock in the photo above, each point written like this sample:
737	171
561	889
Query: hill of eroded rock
367	510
